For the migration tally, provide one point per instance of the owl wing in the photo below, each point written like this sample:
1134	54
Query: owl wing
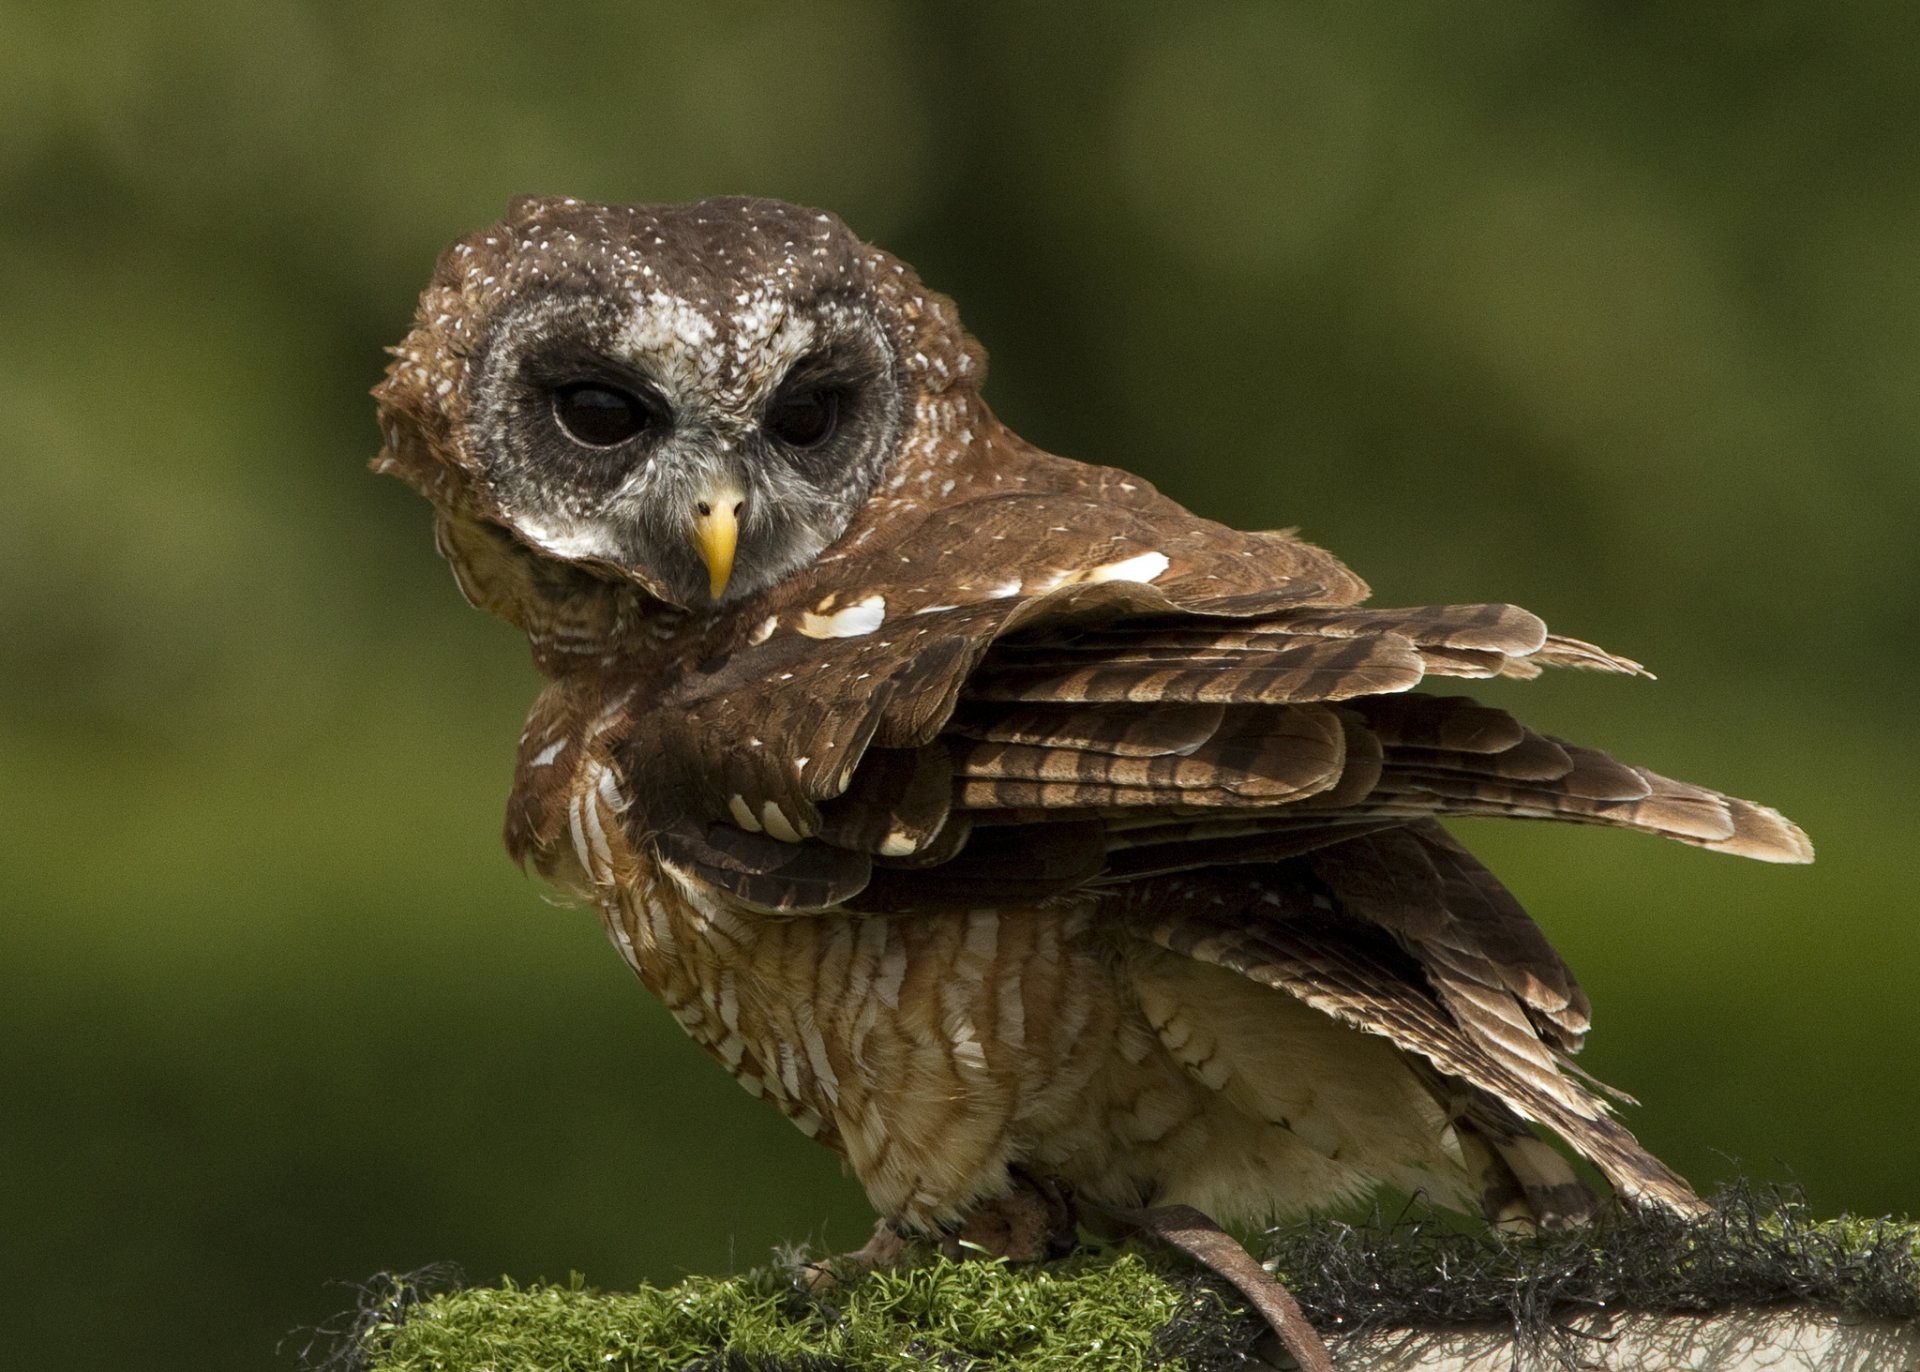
1103	733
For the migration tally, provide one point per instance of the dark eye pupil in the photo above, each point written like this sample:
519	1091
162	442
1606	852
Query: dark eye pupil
806	419
599	416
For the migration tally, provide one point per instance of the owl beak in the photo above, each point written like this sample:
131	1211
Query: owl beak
716	529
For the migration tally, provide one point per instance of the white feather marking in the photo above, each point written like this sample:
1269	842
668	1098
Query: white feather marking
610	793
777	824
546	755
660	926
617	931
862	617
968	1055
602	869
583	847
1144	567
742	813
578	833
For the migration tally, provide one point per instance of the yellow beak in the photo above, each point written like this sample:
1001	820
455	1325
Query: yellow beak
716	528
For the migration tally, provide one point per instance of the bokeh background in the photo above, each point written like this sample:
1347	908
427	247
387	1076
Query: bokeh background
1613	310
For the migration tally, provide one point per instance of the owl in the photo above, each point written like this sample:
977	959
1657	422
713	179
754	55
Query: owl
1038	846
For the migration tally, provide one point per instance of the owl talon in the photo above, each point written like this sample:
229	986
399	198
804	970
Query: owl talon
887	1248
1033	1222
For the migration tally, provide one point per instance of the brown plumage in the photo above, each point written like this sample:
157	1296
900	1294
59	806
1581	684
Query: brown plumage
992	815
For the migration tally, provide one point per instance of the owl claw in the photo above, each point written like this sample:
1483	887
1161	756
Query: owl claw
1034	1222
887	1248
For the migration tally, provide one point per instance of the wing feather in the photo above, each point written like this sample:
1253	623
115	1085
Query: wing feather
1151	730
1260	758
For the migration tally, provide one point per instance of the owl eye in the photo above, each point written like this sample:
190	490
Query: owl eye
805	420
601	416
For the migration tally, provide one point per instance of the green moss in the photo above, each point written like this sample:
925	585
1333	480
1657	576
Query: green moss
1092	1312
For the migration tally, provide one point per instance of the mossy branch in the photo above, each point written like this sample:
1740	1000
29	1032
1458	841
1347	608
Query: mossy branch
1364	1287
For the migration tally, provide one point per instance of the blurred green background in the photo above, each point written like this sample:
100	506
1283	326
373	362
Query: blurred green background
1613	310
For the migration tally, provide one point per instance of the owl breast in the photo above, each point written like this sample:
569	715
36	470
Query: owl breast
933	1050
929	1050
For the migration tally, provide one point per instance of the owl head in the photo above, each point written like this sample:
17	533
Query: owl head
696	398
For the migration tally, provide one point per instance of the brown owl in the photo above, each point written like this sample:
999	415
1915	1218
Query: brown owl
1013	830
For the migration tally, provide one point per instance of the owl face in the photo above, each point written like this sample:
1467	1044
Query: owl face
704	401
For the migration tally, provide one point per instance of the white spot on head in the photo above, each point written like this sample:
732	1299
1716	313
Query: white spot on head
897	844
673	332
547	754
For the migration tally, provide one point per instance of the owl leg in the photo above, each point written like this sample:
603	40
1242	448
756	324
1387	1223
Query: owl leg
1186	1230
